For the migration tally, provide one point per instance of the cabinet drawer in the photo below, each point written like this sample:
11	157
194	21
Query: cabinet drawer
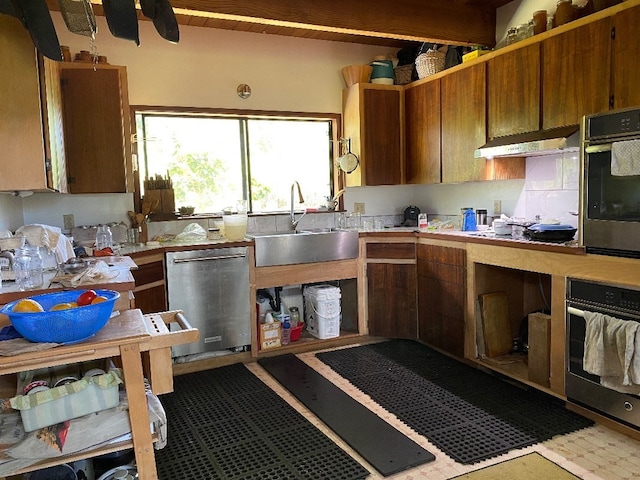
391	250
446	255
149	273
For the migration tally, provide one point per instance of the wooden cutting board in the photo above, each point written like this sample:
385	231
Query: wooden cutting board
494	309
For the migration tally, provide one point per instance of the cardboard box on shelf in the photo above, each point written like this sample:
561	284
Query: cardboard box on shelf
269	335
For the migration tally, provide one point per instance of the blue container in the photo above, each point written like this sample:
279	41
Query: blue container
382	72
468	220
62	326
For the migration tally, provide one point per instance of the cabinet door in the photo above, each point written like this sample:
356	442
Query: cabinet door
422	129
97	130
576	74
441	297
513	92
626	59
392	300
463	124
372	121
28	162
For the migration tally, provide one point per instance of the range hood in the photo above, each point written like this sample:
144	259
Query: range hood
542	142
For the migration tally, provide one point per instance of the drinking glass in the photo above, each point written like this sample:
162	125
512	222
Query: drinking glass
378	225
342	220
355	220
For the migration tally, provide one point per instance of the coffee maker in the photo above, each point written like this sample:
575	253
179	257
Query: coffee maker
411	216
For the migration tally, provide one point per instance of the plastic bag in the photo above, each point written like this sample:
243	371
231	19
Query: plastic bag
192	232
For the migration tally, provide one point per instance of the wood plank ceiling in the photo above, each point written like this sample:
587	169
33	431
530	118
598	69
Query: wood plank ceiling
377	22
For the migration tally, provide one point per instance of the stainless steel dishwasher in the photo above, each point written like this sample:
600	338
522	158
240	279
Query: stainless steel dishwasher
212	288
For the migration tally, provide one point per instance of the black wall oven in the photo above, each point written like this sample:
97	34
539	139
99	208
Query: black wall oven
584	388
610	204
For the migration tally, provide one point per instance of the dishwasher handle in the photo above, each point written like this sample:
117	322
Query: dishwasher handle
206	259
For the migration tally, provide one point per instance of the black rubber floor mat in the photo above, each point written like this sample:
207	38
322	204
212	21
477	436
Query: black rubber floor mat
226	424
468	414
385	448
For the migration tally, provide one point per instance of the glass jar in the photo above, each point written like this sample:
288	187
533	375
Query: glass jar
512	36
104	238
27	266
294	313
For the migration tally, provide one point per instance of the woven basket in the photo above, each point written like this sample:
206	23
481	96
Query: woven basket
429	63
403	74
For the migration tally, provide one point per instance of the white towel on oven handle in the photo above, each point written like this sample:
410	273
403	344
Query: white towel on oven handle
612	351
625	158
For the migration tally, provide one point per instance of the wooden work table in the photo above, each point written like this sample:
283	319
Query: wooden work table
129	337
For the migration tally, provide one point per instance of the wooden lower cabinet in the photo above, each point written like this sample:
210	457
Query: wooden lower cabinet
391	289
441	297
150	289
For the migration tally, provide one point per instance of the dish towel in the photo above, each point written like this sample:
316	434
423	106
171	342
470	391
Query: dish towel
612	351
625	158
50	237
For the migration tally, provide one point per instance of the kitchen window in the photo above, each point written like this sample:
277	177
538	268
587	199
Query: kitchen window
215	158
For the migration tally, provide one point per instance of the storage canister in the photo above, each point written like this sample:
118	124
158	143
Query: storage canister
564	12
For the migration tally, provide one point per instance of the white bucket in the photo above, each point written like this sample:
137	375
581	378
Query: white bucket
322	311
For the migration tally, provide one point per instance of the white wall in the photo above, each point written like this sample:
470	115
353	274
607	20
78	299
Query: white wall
202	70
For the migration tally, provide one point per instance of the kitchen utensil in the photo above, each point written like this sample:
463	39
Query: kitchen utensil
74	265
165	21
79	17
34	15
122	19
148	8
62	326
551	233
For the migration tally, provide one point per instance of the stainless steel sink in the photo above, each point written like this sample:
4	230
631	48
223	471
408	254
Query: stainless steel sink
304	246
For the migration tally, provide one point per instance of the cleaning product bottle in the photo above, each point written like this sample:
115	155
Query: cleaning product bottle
286	331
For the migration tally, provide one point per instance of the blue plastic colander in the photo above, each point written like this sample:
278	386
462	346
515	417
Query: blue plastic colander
62	326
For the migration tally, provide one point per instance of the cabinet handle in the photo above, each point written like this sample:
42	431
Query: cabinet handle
598	148
205	259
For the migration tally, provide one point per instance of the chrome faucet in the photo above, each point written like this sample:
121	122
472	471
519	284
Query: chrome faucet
294	222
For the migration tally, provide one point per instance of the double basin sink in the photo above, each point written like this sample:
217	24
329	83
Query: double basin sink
304	246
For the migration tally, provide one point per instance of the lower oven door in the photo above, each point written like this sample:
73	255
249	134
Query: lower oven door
583	388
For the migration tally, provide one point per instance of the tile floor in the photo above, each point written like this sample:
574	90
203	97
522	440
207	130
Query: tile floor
592	454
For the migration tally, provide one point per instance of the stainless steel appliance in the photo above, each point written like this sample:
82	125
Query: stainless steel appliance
211	286
584	388
610	204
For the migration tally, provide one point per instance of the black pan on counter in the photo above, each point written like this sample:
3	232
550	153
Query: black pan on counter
551	233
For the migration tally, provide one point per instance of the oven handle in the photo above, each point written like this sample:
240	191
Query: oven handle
606	147
601	309
575	311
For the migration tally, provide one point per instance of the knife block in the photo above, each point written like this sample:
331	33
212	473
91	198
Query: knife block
166	200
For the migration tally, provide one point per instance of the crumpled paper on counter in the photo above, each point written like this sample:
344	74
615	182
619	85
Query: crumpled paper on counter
97	273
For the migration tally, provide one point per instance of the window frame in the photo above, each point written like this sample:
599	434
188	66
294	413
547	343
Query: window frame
337	176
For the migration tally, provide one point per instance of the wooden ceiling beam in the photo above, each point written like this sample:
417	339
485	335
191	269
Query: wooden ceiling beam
459	22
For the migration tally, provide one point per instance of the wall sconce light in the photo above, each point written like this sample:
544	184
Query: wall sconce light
244	91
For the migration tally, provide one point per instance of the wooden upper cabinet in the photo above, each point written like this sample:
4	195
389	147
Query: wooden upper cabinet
626	59
422	130
513	92
373	121
97	128
32	153
463	99
576	74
